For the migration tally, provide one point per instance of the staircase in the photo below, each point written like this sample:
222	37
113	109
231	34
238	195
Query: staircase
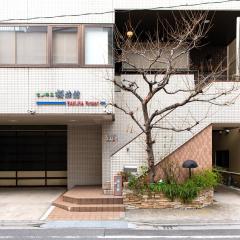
89	199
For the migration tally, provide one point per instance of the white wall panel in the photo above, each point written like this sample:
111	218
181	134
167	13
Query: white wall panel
84	155
28	9
19	86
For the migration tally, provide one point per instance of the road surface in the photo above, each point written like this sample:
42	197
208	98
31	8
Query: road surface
131	234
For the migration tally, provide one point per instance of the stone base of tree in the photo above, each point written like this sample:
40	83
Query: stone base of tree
132	200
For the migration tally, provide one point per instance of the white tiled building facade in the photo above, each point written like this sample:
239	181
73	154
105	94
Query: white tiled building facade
97	146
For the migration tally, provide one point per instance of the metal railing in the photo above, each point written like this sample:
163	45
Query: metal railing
230	178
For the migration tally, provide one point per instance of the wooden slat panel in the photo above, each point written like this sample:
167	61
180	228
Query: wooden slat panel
7	174
56	173
57	182
31	182
31	174
7	182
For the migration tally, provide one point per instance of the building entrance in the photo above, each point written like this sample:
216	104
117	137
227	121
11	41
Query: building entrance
33	155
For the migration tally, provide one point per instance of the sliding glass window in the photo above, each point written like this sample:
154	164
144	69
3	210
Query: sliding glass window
56	46
7	45
65	45
23	45
98	46
31	44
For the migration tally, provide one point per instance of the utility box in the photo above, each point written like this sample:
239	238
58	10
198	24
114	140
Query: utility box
130	169
118	185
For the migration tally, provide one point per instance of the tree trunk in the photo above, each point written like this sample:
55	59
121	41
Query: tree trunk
149	143
150	155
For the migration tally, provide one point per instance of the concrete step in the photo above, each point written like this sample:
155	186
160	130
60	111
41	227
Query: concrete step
90	195
72	207
93	200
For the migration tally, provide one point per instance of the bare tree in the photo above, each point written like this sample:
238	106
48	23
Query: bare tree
161	55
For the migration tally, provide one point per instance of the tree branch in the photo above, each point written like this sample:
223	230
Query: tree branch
131	114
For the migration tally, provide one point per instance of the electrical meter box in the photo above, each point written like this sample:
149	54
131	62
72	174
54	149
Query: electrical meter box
118	185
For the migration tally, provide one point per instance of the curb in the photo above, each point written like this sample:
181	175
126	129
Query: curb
23	223
86	224
174	226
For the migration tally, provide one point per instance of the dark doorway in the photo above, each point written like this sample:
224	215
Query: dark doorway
222	159
33	155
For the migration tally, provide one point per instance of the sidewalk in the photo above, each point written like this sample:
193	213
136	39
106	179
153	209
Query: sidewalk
26	204
225	209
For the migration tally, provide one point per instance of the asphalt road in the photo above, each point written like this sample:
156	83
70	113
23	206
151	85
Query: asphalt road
90	234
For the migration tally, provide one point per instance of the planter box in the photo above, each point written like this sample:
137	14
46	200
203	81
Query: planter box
132	200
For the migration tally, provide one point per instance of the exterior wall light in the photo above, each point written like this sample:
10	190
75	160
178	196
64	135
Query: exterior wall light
227	131
190	164
129	34
31	112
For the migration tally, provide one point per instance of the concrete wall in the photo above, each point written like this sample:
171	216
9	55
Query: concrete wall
181	62
84	155
175	4
229	142
25	9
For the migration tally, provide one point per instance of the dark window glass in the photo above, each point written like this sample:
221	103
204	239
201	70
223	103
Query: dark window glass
222	159
33	151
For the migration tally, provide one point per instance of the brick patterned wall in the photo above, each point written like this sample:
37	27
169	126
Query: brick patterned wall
199	148
84	155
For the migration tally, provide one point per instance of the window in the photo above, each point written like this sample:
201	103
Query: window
56	46
7	45
31	44
23	45
65	45
98	45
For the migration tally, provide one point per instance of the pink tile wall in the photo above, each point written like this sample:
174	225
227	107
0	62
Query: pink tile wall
198	148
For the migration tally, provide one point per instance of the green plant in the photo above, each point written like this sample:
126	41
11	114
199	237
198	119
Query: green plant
186	191
143	170
170	190
206	179
132	182
138	184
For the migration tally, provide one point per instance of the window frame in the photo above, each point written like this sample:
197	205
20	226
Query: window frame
16	65
83	45
63	65
80	44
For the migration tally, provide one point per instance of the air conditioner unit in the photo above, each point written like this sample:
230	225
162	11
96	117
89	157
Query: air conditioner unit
130	169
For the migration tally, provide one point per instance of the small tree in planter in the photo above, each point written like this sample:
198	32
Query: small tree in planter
187	34
186	191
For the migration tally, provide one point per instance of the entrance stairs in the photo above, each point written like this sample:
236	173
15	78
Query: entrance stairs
89	199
